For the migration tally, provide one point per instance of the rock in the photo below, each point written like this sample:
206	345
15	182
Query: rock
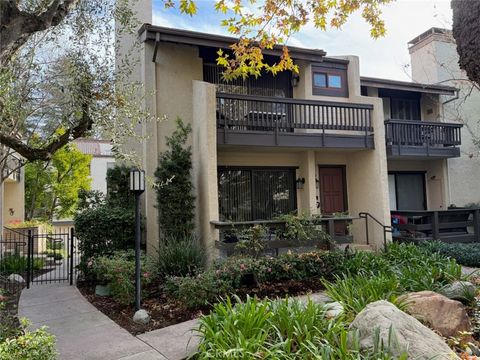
460	290
410	336
333	310
141	317
438	312
102	290
16	278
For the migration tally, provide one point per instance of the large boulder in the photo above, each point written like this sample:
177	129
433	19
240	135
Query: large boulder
460	290
15	278
410	336
446	316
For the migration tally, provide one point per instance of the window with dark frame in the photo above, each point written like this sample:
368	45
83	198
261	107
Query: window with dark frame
407	190
330	80
254	193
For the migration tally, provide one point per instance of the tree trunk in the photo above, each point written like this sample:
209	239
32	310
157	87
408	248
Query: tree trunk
466	31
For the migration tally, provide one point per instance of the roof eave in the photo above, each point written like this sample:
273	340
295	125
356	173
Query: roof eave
149	32
408	86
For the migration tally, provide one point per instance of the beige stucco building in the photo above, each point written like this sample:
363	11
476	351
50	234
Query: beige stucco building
434	60
323	141
12	194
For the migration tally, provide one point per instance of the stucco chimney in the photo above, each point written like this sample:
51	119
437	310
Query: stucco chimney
433	56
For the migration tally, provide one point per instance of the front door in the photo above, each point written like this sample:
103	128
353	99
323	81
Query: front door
332	189
332	194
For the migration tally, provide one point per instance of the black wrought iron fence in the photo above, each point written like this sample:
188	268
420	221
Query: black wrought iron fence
29	256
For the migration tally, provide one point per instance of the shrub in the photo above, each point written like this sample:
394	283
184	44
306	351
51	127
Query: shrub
118	271
301	228
231	274
175	200
200	290
104	230
36	345
464	254
118	188
18	264
181	257
281	329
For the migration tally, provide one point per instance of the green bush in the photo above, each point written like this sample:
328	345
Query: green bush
118	272
180	257
18	264
118	188
282	329
198	291
36	345
464	254
232	273
104	230
175	200
401	268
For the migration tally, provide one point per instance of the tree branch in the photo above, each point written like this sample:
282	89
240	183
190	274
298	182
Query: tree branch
17	26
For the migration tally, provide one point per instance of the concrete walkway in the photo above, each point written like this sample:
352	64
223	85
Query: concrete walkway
82	331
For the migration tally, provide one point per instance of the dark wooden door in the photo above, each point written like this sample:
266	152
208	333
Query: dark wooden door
332	193
332	190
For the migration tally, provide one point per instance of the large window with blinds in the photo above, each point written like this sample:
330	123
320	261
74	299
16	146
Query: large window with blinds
252	193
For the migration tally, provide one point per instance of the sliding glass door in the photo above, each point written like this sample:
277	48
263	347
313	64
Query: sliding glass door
407	190
251	193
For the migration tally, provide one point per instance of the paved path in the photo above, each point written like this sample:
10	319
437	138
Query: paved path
82	331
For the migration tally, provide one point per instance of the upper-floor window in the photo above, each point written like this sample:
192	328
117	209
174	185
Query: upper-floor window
330	80
401	105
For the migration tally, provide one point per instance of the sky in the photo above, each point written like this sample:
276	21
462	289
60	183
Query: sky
385	58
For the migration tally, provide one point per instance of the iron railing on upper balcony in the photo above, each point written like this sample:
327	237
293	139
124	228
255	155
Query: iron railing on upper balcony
267	114
422	133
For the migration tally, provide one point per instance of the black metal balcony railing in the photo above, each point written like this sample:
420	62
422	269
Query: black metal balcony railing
423	138
259	114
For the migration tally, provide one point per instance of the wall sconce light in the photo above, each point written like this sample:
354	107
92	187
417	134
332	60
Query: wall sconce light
295	79
11	211
300	183
317	183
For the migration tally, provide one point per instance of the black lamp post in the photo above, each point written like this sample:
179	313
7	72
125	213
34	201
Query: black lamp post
137	186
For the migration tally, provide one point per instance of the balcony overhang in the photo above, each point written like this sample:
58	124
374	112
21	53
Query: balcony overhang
294	140
407	86
405	152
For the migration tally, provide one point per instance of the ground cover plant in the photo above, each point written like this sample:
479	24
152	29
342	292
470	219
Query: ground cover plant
465	254
280	329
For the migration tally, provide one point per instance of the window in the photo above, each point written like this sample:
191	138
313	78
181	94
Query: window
405	109
407	190
246	194
330	80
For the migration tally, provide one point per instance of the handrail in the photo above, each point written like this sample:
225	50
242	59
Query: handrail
386	228
282	100
421	122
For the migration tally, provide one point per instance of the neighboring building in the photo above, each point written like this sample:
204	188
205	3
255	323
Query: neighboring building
434	60
12	194
323	141
102	160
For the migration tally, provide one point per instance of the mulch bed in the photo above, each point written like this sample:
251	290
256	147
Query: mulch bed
165	312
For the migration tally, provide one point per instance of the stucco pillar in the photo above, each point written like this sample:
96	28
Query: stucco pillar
308	200
367	180
204	150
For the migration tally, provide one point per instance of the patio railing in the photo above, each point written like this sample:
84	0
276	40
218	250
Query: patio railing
335	227
454	225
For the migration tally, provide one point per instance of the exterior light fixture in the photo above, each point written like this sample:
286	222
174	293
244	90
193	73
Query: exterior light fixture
137	186
295	79
300	183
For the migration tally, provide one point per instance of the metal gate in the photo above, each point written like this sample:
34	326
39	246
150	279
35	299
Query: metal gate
39	257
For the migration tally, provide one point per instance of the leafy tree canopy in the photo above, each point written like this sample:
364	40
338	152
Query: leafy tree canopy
52	188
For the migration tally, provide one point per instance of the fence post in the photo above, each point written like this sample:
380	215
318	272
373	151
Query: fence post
435	226
72	236
476	224
29	257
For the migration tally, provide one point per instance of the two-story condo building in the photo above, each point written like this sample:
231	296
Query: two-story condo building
323	141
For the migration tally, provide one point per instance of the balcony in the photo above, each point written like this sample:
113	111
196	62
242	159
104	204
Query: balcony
268	121
421	139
